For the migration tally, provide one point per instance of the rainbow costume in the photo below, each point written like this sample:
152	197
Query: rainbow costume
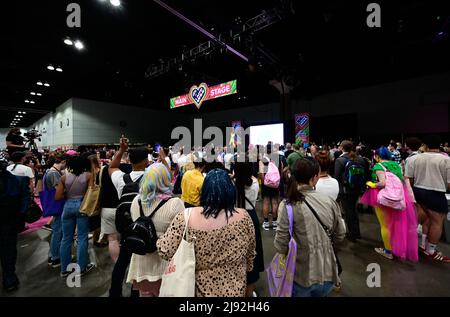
398	227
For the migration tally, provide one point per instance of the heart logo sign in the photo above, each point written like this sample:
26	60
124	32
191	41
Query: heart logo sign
199	94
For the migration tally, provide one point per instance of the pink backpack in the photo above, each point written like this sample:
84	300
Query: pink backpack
272	178
392	195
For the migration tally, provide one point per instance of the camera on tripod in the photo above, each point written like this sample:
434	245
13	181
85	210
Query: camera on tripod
33	135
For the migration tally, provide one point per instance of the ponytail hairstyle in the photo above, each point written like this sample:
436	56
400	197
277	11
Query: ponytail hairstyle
305	168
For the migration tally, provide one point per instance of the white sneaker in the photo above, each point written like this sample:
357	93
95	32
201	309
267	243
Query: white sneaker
266	225
382	252
274	225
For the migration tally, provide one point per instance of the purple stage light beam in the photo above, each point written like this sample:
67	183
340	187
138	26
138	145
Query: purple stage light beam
199	28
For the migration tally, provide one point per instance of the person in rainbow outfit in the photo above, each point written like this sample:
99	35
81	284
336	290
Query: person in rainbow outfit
398	227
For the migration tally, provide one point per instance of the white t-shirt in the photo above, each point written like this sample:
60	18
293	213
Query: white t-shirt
430	171
21	170
119	183
328	186
251	192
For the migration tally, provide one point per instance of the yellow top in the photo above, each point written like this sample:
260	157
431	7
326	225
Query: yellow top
191	187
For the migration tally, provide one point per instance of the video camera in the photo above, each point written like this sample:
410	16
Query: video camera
33	135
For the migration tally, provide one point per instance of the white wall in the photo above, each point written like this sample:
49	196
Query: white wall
50	127
96	122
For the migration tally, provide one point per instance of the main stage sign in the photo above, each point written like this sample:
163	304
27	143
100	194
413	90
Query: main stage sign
198	94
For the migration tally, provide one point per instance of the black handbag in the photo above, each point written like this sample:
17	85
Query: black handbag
329	234
33	213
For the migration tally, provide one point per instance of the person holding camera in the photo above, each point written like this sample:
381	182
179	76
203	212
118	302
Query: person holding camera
15	141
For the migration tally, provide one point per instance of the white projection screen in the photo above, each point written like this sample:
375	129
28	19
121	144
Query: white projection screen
261	134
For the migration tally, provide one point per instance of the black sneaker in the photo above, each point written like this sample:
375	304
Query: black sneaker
56	263
65	274
88	268
49	261
12	288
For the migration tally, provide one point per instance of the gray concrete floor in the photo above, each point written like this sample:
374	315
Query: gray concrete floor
425	278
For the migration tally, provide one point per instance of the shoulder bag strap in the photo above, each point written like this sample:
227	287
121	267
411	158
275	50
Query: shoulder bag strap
71	186
187	215
250	203
290	213
330	236
383	167
99	183
327	230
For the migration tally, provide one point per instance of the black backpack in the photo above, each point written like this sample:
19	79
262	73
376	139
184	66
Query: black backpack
140	237
123	213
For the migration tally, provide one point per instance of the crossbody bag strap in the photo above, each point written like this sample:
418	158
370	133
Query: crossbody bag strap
71	186
327	230
248	200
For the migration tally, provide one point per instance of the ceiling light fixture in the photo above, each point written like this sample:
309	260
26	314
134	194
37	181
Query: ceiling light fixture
79	45
50	67
115	3
24	112
32	93
31	101
68	42
38	94
59	69
47	84
27	101
39	83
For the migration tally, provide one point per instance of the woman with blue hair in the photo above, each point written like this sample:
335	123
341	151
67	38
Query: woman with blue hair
224	239
398	227
156	186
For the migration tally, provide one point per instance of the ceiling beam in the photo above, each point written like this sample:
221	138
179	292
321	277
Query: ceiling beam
30	110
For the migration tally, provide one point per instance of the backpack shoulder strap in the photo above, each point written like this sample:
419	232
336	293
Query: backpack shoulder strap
159	206
127	178
139	179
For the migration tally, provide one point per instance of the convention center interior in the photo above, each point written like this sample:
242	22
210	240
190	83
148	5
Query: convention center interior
252	149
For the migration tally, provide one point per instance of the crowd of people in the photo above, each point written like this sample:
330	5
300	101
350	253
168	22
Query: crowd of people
212	204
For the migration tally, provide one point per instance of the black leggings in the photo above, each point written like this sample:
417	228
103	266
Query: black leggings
118	274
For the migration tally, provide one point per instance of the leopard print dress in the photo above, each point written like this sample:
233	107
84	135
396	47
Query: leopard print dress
222	256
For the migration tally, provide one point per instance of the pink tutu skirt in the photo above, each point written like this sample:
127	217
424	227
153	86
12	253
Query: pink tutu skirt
402	225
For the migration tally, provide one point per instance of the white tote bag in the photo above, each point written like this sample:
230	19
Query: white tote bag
178	279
